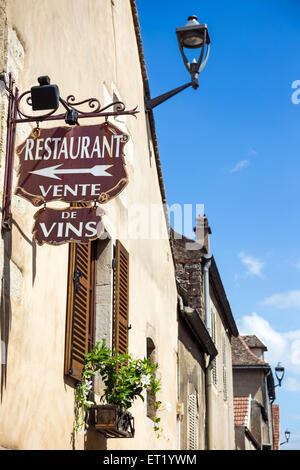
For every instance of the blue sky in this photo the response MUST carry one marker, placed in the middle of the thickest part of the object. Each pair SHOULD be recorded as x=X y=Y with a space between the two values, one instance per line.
x=234 y=146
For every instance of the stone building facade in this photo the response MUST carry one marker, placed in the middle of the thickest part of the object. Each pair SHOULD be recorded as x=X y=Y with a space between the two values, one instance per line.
x=89 y=48
x=206 y=328
x=254 y=394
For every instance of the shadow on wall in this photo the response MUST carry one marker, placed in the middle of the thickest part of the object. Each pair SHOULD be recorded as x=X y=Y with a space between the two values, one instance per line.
x=5 y=306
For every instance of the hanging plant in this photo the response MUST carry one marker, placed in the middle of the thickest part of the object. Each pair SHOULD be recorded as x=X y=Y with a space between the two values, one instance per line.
x=124 y=377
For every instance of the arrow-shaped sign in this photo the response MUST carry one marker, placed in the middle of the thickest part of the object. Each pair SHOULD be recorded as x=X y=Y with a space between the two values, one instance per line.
x=53 y=171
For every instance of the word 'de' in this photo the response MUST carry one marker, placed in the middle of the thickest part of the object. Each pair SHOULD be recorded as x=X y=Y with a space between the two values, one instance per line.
x=57 y=226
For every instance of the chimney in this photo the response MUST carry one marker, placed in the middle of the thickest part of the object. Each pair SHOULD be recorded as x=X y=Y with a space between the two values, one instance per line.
x=203 y=231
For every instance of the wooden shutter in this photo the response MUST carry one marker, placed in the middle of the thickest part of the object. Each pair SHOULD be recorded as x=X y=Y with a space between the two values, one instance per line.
x=78 y=308
x=121 y=299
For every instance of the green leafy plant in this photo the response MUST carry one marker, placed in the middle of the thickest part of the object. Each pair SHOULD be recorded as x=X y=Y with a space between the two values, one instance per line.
x=124 y=378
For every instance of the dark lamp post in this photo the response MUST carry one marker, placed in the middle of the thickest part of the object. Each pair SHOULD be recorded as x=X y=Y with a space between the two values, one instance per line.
x=279 y=372
x=194 y=36
x=191 y=36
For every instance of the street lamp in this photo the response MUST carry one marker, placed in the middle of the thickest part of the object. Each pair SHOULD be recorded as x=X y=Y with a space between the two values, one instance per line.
x=279 y=372
x=287 y=437
x=194 y=36
x=191 y=36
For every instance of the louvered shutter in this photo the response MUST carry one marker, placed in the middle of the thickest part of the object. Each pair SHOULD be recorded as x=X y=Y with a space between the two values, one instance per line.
x=214 y=338
x=224 y=366
x=192 y=422
x=78 y=309
x=121 y=298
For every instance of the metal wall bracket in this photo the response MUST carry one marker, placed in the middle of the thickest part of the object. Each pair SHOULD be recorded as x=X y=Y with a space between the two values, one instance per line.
x=72 y=114
x=152 y=103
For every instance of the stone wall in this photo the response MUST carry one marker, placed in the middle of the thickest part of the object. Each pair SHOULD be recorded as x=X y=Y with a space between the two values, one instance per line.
x=188 y=272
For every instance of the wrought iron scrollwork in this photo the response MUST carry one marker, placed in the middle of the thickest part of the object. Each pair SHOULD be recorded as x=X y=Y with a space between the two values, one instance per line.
x=95 y=110
x=25 y=117
x=92 y=102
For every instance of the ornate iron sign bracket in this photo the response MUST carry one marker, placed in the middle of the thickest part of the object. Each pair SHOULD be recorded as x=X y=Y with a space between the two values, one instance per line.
x=72 y=115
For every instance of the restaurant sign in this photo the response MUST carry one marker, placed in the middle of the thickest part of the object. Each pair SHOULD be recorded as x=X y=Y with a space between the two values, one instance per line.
x=57 y=226
x=72 y=164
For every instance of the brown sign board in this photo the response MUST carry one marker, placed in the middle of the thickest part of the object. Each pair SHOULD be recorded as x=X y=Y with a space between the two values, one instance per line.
x=58 y=226
x=72 y=164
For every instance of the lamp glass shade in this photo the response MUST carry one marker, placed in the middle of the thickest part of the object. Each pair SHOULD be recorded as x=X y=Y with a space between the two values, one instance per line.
x=287 y=434
x=192 y=41
x=191 y=35
x=279 y=369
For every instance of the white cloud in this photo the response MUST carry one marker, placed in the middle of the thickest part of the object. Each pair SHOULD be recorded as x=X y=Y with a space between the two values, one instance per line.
x=252 y=152
x=292 y=384
x=295 y=352
x=285 y=300
x=297 y=265
x=276 y=344
x=240 y=166
x=254 y=265
x=282 y=347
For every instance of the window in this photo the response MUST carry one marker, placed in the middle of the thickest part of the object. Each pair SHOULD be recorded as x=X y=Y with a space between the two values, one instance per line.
x=121 y=299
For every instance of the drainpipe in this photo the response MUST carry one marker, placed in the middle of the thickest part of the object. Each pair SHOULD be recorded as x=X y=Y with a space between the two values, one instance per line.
x=208 y=372
x=207 y=264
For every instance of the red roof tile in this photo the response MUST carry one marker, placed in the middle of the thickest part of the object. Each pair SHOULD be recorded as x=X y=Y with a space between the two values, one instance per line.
x=240 y=410
x=276 y=426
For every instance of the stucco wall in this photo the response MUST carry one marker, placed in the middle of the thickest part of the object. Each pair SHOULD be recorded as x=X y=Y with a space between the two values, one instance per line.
x=246 y=382
x=88 y=48
x=222 y=408
x=191 y=381
x=252 y=382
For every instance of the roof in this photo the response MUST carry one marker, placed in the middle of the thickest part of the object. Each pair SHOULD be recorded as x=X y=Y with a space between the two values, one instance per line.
x=241 y=406
x=196 y=326
x=243 y=356
x=193 y=257
x=253 y=341
x=242 y=417
x=276 y=426
x=137 y=29
x=215 y=278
